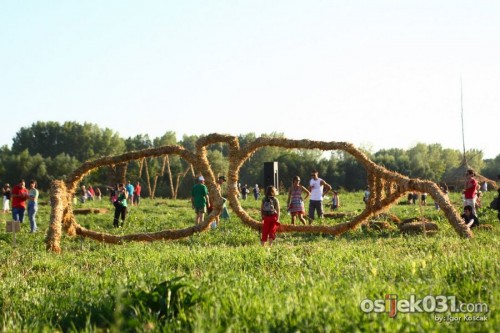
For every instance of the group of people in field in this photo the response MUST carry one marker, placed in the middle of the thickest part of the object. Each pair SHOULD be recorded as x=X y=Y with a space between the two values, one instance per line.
x=124 y=195
x=270 y=206
x=23 y=200
x=471 y=199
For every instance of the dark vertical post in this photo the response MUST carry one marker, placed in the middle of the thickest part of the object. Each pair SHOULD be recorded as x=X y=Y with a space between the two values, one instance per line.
x=271 y=176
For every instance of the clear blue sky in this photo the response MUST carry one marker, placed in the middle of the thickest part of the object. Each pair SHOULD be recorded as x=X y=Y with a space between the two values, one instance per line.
x=379 y=74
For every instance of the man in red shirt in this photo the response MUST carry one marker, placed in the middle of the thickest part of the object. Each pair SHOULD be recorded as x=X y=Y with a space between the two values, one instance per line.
x=470 y=192
x=137 y=194
x=19 y=197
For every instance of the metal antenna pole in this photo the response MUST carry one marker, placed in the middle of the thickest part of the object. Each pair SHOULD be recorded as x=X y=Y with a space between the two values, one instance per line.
x=462 y=114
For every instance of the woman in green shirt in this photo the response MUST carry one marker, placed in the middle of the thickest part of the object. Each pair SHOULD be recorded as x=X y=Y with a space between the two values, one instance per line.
x=120 y=205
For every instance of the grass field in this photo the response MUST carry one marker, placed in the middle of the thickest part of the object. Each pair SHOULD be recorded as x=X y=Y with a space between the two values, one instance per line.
x=222 y=280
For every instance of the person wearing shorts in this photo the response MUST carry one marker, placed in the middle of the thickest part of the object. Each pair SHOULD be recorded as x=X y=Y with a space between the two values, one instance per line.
x=318 y=188
x=470 y=192
x=137 y=194
x=199 y=199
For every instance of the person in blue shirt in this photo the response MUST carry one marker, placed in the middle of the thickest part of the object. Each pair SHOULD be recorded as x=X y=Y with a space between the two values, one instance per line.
x=130 y=191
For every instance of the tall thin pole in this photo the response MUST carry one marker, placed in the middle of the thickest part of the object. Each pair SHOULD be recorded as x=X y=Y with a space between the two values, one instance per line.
x=462 y=114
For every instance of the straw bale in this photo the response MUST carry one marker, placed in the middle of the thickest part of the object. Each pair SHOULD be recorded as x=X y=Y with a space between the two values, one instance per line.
x=388 y=217
x=377 y=225
x=418 y=227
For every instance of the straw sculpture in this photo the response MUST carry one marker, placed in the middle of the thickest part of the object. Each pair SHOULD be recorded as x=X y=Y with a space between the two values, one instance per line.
x=385 y=186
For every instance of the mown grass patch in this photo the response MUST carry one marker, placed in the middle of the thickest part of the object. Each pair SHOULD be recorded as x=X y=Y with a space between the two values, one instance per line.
x=225 y=281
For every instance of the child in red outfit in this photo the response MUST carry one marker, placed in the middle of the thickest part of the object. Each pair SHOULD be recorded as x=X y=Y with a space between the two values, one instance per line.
x=270 y=211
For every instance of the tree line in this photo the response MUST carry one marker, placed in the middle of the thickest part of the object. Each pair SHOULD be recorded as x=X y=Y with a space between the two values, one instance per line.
x=51 y=150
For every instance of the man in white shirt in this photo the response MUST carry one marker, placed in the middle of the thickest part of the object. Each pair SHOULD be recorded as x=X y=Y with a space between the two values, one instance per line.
x=318 y=188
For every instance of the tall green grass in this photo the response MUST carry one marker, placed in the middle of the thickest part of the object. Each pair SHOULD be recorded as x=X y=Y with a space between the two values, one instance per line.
x=223 y=280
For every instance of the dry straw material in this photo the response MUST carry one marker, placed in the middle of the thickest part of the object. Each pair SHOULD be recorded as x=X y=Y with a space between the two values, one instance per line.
x=385 y=186
x=418 y=227
x=87 y=211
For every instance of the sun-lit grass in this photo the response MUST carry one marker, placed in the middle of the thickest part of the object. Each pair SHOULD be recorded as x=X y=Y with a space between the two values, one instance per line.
x=223 y=280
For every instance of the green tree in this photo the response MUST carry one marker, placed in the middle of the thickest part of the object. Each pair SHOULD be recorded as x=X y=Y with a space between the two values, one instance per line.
x=138 y=142
x=218 y=162
x=61 y=166
x=475 y=159
x=394 y=159
x=26 y=166
x=84 y=142
x=492 y=168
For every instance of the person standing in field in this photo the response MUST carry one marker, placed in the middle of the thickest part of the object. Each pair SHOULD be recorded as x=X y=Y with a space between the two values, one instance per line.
x=470 y=191
x=244 y=192
x=6 y=198
x=120 y=205
x=33 y=205
x=256 y=192
x=130 y=192
x=137 y=194
x=484 y=187
x=19 y=197
x=221 y=180
x=366 y=195
x=91 y=193
x=200 y=200
x=295 y=201
x=318 y=188
x=98 y=193
x=270 y=213
x=335 y=200
x=83 y=194
x=423 y=199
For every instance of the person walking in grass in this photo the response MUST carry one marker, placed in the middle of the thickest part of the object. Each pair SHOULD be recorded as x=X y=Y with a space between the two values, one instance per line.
x=200 y=200
x=120 y=205
x=295 y=201
x=270 y=212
